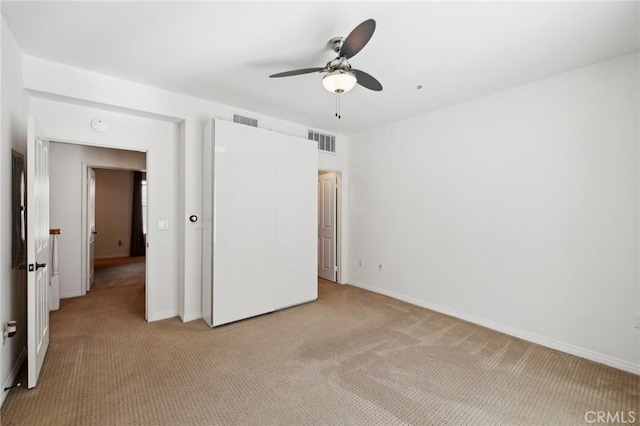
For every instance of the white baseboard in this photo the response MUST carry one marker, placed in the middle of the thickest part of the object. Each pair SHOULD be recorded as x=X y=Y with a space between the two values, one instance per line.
x=163 y=315
x=112 y=256
x=515 y=332
x=70 y=294
x=191 y=316
x=13 y=375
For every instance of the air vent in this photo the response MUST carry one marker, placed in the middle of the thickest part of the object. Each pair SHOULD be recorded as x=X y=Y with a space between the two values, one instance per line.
x=245 y=120
x=326 y=143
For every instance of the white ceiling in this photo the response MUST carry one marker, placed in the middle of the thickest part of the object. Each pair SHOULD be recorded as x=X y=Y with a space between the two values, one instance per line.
x=226 y=51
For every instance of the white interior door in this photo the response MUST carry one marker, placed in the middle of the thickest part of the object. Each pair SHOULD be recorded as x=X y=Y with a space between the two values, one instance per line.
x=327 y=266
x=91 y=224
x=37 y=250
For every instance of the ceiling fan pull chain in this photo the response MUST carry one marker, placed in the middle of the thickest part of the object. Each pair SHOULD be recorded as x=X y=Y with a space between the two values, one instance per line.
x=339 y=108
x=336 y=104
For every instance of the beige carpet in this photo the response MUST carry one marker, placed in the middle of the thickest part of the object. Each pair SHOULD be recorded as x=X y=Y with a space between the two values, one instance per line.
x=118 y=272
x=352 y=357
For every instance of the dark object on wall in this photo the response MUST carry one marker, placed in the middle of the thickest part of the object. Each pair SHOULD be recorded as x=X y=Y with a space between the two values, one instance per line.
x=18 y=209
x=137 y=247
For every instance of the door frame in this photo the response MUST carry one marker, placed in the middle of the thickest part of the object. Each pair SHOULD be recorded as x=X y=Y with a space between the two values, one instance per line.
x=85 y=220
x=87 y=276
x=148 y=287
x=338 y=242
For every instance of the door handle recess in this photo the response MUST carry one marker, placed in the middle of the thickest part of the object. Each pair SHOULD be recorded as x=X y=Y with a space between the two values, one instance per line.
x=40 y=265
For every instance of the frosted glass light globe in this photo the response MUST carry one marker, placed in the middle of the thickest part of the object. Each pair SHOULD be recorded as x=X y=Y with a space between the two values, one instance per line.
x=339 y=81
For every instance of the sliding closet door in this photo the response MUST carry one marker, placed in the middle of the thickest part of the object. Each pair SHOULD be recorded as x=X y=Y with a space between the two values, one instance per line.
x=244 y=223
x=259 y=217
x=296 y=270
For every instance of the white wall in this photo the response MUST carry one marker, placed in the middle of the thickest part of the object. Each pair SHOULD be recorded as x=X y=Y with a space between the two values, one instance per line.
x=114 y=204
x=518 y=211
x=65 y=122
x=67 y=165
x=71 y=85
x=12 y=136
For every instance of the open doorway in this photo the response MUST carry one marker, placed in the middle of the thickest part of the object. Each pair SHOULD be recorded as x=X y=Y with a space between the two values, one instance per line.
x=91 y=203
x=116 y=233
x=329 y=225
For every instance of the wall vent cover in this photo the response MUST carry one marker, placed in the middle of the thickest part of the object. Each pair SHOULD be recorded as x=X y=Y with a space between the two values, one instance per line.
x=326 y=143
x=245 y=120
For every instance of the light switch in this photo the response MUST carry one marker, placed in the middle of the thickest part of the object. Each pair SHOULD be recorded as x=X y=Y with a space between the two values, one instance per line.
x=163 y=225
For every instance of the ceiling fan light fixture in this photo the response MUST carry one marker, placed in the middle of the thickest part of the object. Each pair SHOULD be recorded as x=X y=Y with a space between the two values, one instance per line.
x=339 y=81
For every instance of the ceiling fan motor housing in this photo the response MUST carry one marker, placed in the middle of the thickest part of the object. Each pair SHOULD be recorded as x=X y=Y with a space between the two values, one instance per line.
x=336 y=44
x=338 y=64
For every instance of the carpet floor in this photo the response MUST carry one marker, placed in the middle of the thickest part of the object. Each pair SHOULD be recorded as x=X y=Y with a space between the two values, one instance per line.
x=352 y=357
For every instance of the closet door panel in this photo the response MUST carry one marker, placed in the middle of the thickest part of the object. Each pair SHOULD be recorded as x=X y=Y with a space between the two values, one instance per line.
x=245 y=223
x=296 y=248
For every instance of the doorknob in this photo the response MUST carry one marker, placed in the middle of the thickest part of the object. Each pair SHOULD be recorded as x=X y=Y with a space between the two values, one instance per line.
x=40 y=265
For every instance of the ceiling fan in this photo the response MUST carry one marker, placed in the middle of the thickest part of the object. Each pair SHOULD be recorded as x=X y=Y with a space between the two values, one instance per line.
x=340 y=77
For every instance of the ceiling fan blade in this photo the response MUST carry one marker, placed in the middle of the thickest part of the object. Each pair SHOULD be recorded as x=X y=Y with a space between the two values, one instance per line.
x=358 y=38
x=366 y=80
x=296 y=72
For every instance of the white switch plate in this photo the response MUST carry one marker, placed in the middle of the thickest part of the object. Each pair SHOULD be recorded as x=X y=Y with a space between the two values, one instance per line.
x=163 y=225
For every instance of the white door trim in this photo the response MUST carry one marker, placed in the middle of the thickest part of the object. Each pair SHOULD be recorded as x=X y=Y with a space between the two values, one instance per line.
x=88 y=276
x=339 y=273
x=84 y=261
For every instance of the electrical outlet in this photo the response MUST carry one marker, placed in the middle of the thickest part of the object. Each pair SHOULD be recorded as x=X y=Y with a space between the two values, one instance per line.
x=379 y=266
x=636 y=320
x=360 y=262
